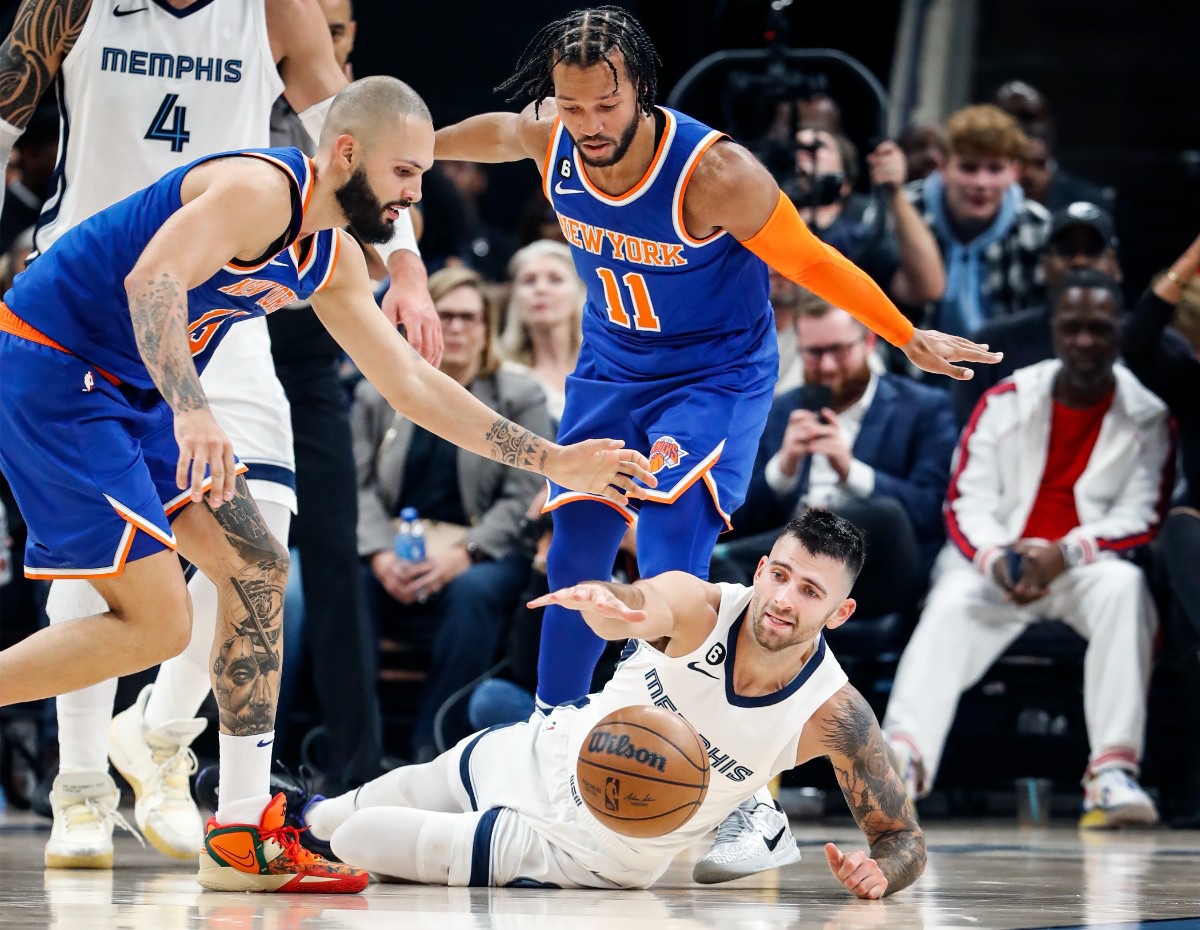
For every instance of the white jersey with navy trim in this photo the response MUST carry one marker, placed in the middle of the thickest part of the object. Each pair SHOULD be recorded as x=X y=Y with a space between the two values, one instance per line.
x=145 y=89
x=530 y=767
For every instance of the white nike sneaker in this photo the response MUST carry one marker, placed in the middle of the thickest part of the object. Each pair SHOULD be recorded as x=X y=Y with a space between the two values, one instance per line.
x=754 y=838
x=907 y=766
x=157 y=764
x=85 y=810
x=1113 y=798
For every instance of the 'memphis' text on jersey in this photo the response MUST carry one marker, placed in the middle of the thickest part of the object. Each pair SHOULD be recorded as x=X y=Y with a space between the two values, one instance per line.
x=718 y=761
x=165 y=65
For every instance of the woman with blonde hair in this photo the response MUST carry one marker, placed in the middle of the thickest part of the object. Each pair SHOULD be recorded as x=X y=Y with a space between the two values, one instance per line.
x=543 y=328
x=457 y=601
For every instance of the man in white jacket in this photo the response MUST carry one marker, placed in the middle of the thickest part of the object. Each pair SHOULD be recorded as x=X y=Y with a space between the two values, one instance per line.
x=1063 y=468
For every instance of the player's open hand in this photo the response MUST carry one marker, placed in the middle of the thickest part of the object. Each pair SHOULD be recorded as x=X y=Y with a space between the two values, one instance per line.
x=412 y=306
x=857 y=872
x=932 y=351
x=593 y=599
x=601 y=466
x=203 y=446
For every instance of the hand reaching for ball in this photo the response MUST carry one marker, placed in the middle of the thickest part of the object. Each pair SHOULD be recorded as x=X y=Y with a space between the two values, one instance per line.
x=593 y=599
x=857 y=872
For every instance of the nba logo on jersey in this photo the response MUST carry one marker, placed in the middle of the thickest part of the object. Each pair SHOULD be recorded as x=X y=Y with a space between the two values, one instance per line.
x=665 y=453
x=89 y=382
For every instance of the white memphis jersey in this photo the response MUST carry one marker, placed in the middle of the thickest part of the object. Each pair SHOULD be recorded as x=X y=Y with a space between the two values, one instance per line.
x=148 y=88
x=750 y=740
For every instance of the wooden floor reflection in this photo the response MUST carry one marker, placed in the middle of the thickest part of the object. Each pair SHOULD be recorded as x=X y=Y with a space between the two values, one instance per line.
x=982 y=875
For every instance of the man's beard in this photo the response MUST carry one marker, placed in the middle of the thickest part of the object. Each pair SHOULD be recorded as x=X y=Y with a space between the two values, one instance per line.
x=364 y=211
x=851 y=388
x=622 y=145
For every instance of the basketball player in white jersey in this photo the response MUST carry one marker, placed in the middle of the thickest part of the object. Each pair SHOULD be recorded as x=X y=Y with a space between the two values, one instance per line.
x=748 y=667
x=145 y=86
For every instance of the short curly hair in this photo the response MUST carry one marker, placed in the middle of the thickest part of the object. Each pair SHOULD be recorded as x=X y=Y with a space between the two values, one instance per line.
x=984 y=131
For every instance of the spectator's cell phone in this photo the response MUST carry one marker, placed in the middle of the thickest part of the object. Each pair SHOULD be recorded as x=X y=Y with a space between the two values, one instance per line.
x=815 y=397
x=1016 y=565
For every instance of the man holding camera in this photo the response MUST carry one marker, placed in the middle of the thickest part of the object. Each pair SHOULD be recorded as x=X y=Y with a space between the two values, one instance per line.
x=875 y=448
x=1063 y=470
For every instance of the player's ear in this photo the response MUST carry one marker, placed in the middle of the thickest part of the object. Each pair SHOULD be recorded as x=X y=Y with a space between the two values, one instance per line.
x=347 y=153
x=842 y=614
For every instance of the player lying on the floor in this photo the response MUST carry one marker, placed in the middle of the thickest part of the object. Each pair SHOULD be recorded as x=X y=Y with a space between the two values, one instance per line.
x=748 y=667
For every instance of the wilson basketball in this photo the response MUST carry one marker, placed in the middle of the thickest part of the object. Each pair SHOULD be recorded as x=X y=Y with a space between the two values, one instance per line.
x=642 y=771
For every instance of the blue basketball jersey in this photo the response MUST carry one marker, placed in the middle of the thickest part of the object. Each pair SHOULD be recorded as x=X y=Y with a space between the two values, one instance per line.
x=75 y=292
x=659 y=302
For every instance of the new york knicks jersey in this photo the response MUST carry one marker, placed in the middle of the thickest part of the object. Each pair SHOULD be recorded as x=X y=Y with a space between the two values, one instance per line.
x=659 y=302
x=139 y=71
x=75 y=293
x=750 y=740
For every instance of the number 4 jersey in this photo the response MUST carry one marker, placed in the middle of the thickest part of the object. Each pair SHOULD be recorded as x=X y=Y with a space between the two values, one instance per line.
x=137 y=72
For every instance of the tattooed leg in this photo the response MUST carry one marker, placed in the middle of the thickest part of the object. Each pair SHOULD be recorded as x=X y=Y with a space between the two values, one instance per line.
x=247 y=657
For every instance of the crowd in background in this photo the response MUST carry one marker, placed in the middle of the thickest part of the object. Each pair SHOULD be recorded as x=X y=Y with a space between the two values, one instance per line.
x=980 y=518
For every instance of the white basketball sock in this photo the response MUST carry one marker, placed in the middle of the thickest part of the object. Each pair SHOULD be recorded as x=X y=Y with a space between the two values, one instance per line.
x=83 y=715
x=245 y=777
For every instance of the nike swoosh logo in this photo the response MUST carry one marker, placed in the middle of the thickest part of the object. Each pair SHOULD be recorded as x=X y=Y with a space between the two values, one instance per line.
x=696 y=668
x=559 y=189
x=246 y=861
x=774 y=841
x=117 y=11
x=265 y=742
x=279 y=263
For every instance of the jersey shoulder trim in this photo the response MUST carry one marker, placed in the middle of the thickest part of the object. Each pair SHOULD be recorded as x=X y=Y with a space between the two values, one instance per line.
x=685 y=176
x=652 y=171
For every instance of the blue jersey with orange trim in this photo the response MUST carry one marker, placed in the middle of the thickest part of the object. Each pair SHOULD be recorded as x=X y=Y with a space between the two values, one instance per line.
x=75 y=292
x=659 y=302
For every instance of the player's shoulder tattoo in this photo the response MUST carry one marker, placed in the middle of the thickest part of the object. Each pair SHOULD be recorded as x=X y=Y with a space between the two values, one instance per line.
x=43 y=33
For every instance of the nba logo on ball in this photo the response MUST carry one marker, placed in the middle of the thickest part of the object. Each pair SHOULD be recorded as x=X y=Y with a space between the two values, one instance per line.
x=642 y=771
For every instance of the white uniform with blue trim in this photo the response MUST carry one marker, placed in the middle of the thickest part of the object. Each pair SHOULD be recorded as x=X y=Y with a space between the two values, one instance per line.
x=543 y=831
x=146 y=89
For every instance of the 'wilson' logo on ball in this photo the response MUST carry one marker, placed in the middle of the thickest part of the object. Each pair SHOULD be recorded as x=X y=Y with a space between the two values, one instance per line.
x=603 y=741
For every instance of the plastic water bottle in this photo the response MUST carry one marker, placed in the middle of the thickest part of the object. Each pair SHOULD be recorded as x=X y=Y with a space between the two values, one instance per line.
x=410 y=537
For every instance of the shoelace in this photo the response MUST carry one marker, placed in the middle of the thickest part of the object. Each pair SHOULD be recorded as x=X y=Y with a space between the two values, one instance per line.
x=288 y=839
x=733 y=826
x=90 y=810
x=175 y=768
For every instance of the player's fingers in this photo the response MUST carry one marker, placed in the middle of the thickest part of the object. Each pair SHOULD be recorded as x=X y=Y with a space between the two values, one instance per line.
x=833 y=856
x=866 y=872
x=199 y=473
x=632 y=463
x=182 y=468
x=850 y=864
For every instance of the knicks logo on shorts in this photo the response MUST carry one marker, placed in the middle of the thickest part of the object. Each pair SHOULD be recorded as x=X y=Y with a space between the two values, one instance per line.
x=665 y=453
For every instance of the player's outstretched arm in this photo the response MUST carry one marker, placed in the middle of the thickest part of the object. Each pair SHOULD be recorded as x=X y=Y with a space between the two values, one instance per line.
x=498 y=137
x=845 y=729
x=673 y=604
x=441 y=405
x=732 y=190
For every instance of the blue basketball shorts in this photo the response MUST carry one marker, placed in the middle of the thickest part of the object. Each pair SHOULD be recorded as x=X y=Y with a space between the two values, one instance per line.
x=91 y=463
x=697 y=427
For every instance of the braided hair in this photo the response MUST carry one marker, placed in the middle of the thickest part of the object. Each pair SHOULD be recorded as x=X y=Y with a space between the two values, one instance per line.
x=584 y=38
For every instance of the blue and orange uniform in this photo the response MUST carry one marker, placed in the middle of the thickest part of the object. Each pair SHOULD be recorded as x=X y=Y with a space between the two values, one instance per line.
x=86 y=440
x=679 y=359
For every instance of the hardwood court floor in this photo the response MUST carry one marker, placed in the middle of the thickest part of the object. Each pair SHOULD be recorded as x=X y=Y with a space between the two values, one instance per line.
x=981 y=875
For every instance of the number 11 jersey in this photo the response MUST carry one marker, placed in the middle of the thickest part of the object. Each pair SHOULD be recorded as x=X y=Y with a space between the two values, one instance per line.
x=138 y=72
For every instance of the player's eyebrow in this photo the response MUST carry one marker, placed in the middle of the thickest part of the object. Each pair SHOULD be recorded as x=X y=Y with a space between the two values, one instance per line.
x=611 y=93
x=791 y=570
x=412 y=163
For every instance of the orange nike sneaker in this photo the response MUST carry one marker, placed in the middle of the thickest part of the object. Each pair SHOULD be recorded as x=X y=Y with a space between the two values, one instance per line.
x=269 y=857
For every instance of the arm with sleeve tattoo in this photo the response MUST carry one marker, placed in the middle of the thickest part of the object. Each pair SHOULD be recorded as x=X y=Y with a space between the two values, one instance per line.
x=43 y=33
x=876 y=797
x=158 y=307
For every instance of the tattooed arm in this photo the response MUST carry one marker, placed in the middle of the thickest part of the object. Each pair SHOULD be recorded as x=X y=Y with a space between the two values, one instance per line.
x=845 y=729
x=441 y=405
x=232 y=207
x=42 y=34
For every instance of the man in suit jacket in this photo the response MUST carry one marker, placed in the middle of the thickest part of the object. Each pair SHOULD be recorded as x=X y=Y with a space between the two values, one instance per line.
x=877 y=452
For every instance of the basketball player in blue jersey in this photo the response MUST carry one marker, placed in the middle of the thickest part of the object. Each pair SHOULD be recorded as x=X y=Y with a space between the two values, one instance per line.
x=672 y=226
x=748 y=667
x=116 y=460
x=145 y=88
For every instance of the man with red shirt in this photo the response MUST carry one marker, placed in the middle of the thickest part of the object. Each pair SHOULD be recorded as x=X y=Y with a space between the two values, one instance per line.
x=1063 y=468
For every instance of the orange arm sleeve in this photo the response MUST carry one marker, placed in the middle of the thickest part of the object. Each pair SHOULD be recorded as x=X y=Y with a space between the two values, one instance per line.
x=788 y=246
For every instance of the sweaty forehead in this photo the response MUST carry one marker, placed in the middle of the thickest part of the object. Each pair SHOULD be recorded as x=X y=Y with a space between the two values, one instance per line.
x=1086 y=301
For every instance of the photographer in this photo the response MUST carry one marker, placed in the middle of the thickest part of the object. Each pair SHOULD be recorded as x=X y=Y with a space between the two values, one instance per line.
x=901 y=255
